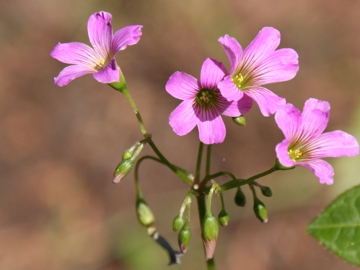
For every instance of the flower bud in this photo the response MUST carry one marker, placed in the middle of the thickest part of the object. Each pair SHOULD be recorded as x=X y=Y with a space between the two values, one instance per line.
x=178 y=223
x=144 y=213
x=184 y=238
x=210 y=232
x=266 y=191
x=240 y=199
x=260 y=210
x=128 y=160
x=240 y=120
x=223 y=218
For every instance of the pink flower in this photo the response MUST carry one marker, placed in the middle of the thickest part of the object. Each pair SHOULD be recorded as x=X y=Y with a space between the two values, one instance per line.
x=257 y=65
x=99 y=60
x=202 y=103
x=305 y=143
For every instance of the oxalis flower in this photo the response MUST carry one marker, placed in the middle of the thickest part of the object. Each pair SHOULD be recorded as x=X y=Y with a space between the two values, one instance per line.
x=257 y=65
x=305 y=144
x=99 y=60
x=202 y=103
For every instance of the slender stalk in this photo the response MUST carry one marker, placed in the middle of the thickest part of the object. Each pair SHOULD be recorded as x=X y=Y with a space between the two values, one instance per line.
x=122 y=88
x=198 y=164
x=208 y=160
x=237 y=183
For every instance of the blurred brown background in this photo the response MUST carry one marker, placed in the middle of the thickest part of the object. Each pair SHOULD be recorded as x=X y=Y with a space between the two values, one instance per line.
x=59 y=146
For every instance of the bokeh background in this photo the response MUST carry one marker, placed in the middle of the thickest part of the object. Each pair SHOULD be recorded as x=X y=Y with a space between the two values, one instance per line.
x=59 y=146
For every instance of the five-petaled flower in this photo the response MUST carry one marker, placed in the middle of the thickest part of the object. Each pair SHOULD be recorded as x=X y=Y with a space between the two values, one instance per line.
x=305 y=144
x=203 y=103
x=260 y=63
x=99 y=60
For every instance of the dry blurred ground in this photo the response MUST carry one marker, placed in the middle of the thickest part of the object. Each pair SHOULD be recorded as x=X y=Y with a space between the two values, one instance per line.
x=59 y=146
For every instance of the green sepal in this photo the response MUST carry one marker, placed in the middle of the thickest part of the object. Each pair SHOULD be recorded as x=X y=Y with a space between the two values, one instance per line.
x=144 y=213
x=223 y=218
x=240 y=199
x=184 y=238
x=178 y=223
x=260 y=210
x=266 y=191
x=239 y=120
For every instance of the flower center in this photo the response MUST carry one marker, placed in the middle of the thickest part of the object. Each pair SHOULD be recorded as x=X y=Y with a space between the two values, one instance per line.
x=295 y=155
x=100 y=65
x=239 y=80
x=206 y=98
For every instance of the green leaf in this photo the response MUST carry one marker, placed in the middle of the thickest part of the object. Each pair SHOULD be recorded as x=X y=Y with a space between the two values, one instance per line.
x=338 y=226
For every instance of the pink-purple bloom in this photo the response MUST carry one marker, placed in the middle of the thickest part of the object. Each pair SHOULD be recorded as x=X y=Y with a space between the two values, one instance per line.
x=305 y=144
x=99 y=60
x=203 y=103
x=260 y=63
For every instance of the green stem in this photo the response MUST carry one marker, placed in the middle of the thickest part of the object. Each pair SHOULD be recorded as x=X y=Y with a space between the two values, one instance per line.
x=122 y=88
x=208 y=160
x=237 y=183
x=198 y=164
x=186 y=177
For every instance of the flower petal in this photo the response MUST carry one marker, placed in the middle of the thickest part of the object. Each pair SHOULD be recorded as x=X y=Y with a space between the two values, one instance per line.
x=236 y=108
x=281 y=65
x=268 y=102
x=322 y=170
x=212 y=72
x=126 y=36
x=182 y=86
x=282 y=154
x=100 y=33
x=229 y=90
x=70 y=73
x=233 y=50
x=212 y=131
x=266 y=41
x=315 y=117
x=183 y=119
x=335 y=144
x=75 y=53
x=109 y=74
x=288 y=118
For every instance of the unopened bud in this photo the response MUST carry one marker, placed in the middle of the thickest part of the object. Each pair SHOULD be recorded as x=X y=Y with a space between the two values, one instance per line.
x=128 y=159
x=184 y=238
x=210 y=232
x=144 y=213
x=240 y=120
x=240 y=199
x=178 y=223
x=223 y=218
x=260 y=210
x=266 y=191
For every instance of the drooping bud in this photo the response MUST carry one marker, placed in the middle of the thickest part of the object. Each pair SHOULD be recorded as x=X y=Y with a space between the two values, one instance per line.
x=210 y=232
x=128 y=158
x=260 y=210
x=240 y=199
x=223 y=218
x=266 y=191
x=144 y=213
x=184 y=238
x=240 y=120
x=178 y=223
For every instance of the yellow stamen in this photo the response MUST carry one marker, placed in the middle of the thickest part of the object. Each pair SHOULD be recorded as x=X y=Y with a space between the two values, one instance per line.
x=238 y=79
x=295 y=154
